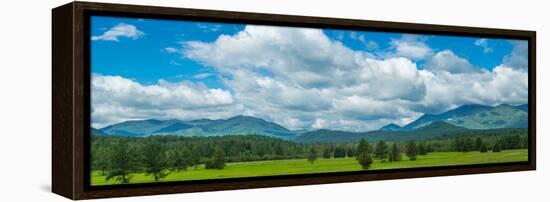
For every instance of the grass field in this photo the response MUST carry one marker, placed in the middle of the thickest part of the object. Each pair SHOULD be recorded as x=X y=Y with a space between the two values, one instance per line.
x=301 y=166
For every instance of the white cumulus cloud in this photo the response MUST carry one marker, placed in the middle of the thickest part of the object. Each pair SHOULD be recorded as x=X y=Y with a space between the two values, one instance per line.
x=115 y=98
x=447 y=61
x=120 y=30
x=411 y=46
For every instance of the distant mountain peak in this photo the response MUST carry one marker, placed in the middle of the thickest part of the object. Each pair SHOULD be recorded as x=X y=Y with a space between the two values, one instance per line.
x=203 y=119
x=243 y=117
x=154 y=121
x=504 y=105
x=391 y=127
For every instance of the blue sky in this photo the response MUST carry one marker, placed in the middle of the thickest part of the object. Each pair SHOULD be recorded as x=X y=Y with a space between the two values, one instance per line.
x=229 y=63
x=146 y=60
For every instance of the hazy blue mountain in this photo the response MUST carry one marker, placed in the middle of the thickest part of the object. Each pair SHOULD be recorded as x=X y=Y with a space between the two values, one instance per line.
x=390 y=127
x=201 y=122
x=95 y=131
x=502 y=116
x=238 y=125
x=477 y=117
x=178 y=126
x=138 y=127
x=439 y=128
x=457 y=112
x=435 y=129
x=523 y=107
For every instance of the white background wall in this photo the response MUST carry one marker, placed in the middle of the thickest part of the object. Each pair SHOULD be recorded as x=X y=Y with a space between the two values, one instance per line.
x=25 y=100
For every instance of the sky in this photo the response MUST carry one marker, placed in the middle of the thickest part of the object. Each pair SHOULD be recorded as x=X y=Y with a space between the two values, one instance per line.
x=300 y=78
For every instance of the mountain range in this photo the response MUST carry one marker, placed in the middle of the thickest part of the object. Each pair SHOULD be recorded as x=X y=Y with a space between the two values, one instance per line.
x=472 y=117
x=238 y=125
x=458 y=120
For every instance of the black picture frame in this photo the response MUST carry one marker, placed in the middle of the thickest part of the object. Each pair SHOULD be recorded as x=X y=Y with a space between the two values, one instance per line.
x=71 y=99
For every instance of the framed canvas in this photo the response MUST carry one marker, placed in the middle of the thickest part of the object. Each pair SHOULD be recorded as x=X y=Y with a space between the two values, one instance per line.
x=156 y=100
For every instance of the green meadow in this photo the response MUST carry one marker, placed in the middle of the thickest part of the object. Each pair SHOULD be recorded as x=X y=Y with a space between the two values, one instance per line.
x=321 y=165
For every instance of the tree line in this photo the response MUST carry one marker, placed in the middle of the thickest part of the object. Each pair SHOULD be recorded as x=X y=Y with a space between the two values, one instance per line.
x=157 y=156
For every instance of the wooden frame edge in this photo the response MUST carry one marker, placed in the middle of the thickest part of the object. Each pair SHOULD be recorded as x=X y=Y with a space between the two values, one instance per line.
x=62 y=101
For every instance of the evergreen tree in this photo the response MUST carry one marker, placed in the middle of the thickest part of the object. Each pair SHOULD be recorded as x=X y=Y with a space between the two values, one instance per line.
x=365 y=159
x=312 y=155
x=364 y=156
x=469 y=145
x=219 y=158
x=279 y=151
x=100 y=158
x=179 y=159
x=362 y=147
x=154 y=159
x=326 y=153
x=381 y=151
x=496 y=147
x=217 y=161
x=478 y=144
x=123 y=161
x=395 y=154
x=510 y=142
x=195 y=158
x=350 y=152
x=429 y=148
x=483 y=148
x=458 y=144
x=340 y=152
x=412 y=150
x=422 y=149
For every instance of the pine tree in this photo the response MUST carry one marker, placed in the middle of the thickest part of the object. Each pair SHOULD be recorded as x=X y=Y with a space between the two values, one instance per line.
x=422 y=149
x=326 y=153
x=179 y=159
x=217 y=161
x=339 y=152
x=100 y=158
x=154 y=159
x=350 y=152
x=195 y=158
x=395 y=154
x=478 y=144
x=312 y=155
x=364 y=156
x=458 y=144
x=412 y=150
x=469 y=145
x=496 y=147
x=429 y=148
x=279 y=151
x=362 y=147
x=365 y=159
x=123 y=161
x=483 y=148
x=381 y=151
